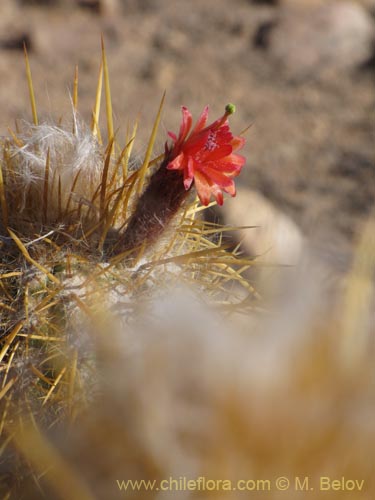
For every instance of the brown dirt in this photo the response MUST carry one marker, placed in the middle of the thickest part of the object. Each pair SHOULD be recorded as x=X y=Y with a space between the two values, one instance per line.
x=310 y=149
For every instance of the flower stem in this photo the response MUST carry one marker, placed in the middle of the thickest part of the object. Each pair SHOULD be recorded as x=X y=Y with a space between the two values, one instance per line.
x=156 y=207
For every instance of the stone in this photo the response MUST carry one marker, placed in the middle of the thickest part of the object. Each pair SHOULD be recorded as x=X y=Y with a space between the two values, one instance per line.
x=306 y=42
x=276 y=239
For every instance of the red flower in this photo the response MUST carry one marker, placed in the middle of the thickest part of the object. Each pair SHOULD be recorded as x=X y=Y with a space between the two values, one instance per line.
x=206 y=155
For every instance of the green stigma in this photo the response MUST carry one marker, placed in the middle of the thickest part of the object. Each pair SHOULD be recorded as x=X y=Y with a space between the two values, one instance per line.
x=230 y=109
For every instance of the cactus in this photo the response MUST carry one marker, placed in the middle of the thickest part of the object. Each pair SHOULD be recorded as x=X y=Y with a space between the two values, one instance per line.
x=126 y=362
x=85 y=236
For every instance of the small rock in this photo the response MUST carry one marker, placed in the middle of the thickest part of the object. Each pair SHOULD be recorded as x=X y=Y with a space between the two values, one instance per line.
x=102 y=7
x=43 y=3
x=263 y=34
x=265 y=2
x=91 y=5
x=307 y=41
x=17 y=42
x=276 y=240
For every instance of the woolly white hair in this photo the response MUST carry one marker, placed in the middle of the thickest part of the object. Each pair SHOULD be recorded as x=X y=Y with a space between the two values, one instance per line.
x=75 y=162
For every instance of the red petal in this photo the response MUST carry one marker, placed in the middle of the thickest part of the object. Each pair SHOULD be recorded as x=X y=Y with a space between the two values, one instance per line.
x=217 y=154
x=186 y=123
x=172 y=136
x=238 y=142
x=224 y=135
x=189 y=173
x=218 y=195
x=231 y=189
x=217 y=178
x=220 y=122
x=230 y=164
x=187 y=182
x=195 y=143
x=203 y=187
x=201 y=121
x=190 y=167
x=177 y=163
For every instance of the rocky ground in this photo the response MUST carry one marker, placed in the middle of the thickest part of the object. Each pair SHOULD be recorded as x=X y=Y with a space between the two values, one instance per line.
x=301 y=72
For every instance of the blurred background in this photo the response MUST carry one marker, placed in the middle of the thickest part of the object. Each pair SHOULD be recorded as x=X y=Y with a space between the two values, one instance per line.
x=300 y=72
